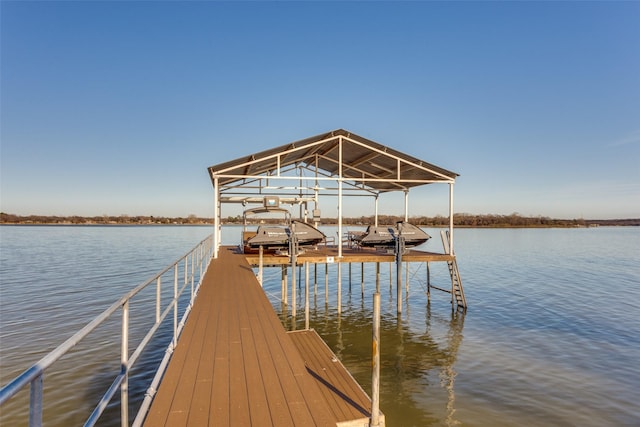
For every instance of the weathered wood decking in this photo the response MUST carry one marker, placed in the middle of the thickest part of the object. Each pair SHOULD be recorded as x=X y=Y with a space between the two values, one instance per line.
x=235 y=365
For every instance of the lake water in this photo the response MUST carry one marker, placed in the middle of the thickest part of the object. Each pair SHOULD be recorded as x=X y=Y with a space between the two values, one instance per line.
x=551 y=335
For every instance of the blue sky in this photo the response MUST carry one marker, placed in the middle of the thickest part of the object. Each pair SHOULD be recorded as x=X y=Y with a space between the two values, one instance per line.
x=119 y=107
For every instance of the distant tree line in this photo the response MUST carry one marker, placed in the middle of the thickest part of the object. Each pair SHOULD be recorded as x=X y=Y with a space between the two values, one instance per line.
x=6 y=218
x=470 y=220
x=459 y=220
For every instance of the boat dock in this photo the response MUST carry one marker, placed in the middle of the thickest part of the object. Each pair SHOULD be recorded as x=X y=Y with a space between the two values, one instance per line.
x=232 y=363
x=235 y=365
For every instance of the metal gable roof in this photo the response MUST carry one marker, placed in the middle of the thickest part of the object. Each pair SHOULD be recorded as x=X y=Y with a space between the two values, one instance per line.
x=361 y=162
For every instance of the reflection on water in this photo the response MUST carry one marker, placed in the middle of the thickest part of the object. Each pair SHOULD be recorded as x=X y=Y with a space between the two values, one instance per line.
x=415 y=356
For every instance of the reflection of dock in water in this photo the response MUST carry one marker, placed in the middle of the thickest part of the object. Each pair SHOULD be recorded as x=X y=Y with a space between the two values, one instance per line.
x=447 y=372
x=410 y=358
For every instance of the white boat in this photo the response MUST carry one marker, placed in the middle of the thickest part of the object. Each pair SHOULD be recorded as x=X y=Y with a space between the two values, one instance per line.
x=385 y=236
x=276 y=237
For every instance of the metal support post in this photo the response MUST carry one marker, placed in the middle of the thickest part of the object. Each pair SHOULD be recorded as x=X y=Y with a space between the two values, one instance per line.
x=399 y=251
x=216 y=217
x=362 y=279
x=294 y=262
x=124 y=363
x=375 y=374
x=36 y=396
x=306 y=296
x=175 y=306
x=284 y=297
x=406 y=281
x=193 y=276
x=260 y=265
x=406 y=205
x=428 y=282
x=451 y=218
x=339 y=287
x=326 y=284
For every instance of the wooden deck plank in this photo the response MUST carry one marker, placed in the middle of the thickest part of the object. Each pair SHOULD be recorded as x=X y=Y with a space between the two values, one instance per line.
x=199 y=413
x=238 y=350
x=323 y=369
x=259 y=410
x=173 y=380
x=319 y=408
x=256 y=394
x=185 y=395
x=235 y=365
x=281 y=353
x=349 y=400
x=219 y=409
x=326 y=384
x=289 y=369
x=347 y=389
x=277 y=402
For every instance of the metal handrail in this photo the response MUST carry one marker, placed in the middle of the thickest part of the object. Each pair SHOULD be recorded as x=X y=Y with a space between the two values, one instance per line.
x=200 y=255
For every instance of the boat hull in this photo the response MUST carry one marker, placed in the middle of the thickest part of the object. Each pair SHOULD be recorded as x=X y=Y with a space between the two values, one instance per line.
x=386 y=236
x=273 y=238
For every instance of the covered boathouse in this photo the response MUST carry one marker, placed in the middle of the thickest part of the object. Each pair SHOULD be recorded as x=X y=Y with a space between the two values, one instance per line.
x=335 y=164
x=234 y=364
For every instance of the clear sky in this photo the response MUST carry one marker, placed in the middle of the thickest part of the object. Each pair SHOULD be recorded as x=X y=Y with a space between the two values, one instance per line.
x=119 y=107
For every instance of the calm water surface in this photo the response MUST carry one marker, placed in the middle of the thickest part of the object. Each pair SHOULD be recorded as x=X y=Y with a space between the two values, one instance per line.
x=550 y=336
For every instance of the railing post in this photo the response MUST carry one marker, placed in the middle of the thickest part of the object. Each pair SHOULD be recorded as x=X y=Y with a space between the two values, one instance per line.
x=175 y=306
x=186 y=269
x=158 y=298
x=35 y=407
x=201 y=260
x=193 y=273
x=124 y=363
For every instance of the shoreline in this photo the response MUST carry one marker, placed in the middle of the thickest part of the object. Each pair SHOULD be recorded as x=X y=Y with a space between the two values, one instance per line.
x=460 y=220
x=594 y=224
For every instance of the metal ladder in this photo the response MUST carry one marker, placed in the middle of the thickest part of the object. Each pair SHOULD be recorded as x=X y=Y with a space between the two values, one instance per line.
x=457 y=291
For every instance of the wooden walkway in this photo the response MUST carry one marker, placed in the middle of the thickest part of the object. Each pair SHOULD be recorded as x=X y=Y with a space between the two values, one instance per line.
x=235 y=365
